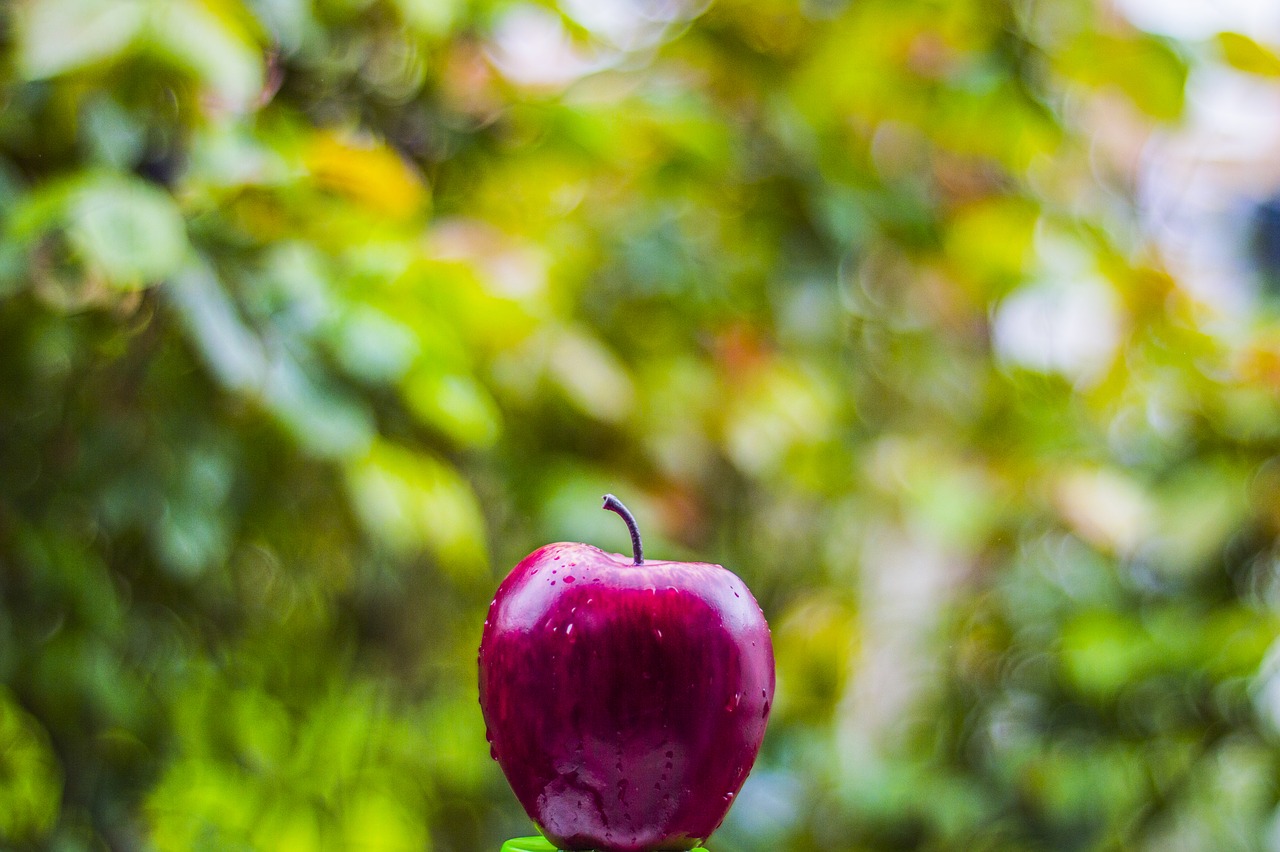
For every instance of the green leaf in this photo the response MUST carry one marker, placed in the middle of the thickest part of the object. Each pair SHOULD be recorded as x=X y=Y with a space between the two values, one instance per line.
x=412 y=500
x=56 y=36
x=373 y=346
x=203 y=38
x=123 y=229
x=376 y=821
x=110 y=132
x=192 y=35
x=30 y=779
x=128 y=230
x=432 y=18
x=1102 y=652
x=189 y=540
x=321 y=416
x=455 y=404
x=325 y=419
x=590 y=375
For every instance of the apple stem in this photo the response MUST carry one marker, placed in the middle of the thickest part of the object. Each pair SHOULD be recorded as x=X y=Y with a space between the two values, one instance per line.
x=613 y=504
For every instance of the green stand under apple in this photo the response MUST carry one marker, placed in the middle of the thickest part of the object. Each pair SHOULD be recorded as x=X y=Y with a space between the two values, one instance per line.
x=539 y=844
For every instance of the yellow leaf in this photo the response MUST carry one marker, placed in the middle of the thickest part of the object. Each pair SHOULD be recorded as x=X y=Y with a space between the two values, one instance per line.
x=1144 y=69
x=989 y=242
x=1245 y=54
x=369 y=174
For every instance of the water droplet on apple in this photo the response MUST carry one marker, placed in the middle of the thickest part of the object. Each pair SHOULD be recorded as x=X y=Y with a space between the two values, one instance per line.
x=728 y=797
x=568 y=630
x=553 y=582
x=493 y=751
x=569 y=579
x=736 y=595
x=657 y=634
x=764 y=714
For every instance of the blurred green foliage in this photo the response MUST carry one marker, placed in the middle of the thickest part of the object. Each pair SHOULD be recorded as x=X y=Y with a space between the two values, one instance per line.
x=317 y=315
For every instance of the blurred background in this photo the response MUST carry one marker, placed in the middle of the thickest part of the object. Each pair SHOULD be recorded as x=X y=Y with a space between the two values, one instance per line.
x=952 y=326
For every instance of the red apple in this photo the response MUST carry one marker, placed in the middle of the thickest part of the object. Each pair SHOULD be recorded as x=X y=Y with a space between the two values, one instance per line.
x=625 y=699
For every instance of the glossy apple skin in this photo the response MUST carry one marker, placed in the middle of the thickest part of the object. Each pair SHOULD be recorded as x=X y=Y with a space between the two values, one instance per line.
x=625 y=703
